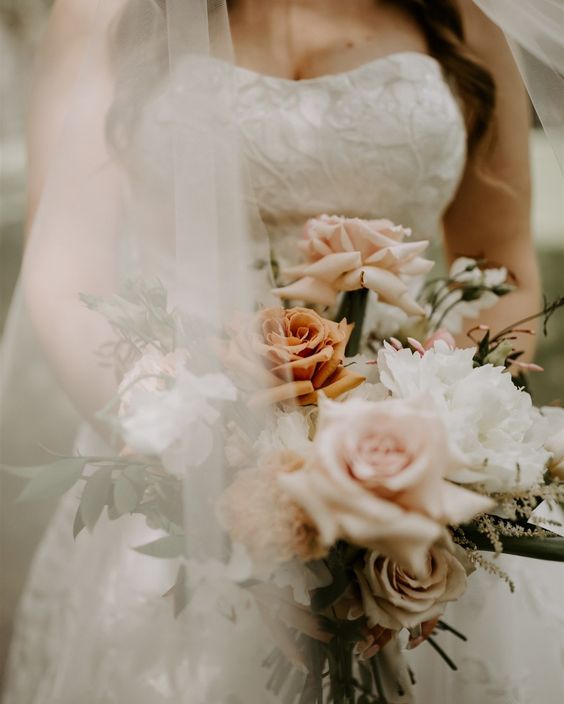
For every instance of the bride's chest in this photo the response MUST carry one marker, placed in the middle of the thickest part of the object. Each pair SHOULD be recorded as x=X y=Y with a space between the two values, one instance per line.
x=384 y=140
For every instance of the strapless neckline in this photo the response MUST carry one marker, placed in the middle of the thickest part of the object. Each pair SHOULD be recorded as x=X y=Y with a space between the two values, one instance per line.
x=348 y=74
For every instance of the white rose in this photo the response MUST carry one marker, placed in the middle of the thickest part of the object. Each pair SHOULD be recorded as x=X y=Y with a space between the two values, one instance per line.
x=159 y=422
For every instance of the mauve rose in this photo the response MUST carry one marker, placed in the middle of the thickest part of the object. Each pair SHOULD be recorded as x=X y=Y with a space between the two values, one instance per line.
x=395 y=598
x=376 y=479
x=281 y=355
x=347 y=254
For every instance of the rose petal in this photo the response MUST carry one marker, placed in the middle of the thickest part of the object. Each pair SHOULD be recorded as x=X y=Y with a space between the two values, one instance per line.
x=284 y=392
x=333 y=266
x=309 y=290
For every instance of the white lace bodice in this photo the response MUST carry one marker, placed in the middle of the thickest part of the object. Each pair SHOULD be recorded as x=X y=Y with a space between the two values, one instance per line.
x=386 y=139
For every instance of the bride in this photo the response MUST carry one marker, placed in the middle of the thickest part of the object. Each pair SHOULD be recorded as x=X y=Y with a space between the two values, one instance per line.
x=412 y=110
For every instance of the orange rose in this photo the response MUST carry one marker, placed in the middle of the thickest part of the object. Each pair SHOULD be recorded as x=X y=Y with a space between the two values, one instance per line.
x=279 y=355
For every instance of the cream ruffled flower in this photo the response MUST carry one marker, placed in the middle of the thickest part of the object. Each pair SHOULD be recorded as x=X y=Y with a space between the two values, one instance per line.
x=157 y=421
x=347 y=254
x=376 y=478
x=260 y=515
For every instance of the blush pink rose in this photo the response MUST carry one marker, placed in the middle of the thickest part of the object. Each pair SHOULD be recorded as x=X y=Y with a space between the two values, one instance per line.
x=376 y=478
x=347 y=254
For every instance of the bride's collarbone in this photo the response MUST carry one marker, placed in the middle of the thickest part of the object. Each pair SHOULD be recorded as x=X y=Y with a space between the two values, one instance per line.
x=331 y=60
x=328 y=48
x=352 y=55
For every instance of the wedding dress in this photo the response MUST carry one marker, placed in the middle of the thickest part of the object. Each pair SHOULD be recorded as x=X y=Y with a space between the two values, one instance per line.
x=386 y=139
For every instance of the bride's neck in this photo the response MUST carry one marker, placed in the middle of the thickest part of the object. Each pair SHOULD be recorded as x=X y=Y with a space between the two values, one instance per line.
x=273 y=9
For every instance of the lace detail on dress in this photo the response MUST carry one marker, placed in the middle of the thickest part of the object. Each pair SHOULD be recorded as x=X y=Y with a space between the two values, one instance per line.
x=384 y=140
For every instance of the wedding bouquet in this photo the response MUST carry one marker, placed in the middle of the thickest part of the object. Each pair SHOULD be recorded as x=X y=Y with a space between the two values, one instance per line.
x=388 y=460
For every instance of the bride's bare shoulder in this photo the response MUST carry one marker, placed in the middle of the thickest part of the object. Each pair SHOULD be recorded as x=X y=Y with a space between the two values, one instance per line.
x=483 y=36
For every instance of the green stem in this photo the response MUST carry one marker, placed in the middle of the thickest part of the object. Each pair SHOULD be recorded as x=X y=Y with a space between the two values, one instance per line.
x=353 y=308
x=538 y=548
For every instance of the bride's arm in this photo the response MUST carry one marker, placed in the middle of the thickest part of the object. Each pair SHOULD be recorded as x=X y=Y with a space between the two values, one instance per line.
x=73 y=188
x=490 y=217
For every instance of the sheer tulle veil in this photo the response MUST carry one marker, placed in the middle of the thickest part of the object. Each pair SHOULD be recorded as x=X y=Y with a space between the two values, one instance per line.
x=535 y=29
x=146 y=187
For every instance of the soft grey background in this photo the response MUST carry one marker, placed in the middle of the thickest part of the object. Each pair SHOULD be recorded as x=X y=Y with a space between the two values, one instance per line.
x=21 y=24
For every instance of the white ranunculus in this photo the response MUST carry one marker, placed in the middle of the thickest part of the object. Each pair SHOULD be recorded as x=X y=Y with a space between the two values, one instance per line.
x=492 y=423
x=406 y=373
x=156 y=420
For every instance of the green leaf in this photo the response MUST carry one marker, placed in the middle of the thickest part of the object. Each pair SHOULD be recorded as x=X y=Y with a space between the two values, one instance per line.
x=54 y=480
x=136 y=474
x=168 y=547
x=95 y=496
x=22 y=472
x=126 y=495
x=180 y=592
x=78 y=525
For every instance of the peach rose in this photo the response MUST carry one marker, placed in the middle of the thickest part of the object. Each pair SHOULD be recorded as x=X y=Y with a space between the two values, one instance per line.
x=376 y=478
x=347 y=254
x=290 y=354
x=394 y=598
x=259 y=514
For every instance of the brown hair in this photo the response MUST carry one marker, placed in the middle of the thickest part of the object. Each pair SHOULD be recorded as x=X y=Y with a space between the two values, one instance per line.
x=440 y=20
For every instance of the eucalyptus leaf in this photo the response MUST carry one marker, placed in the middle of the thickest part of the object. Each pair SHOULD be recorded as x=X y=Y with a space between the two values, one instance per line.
x=168 y=547
x=126 y=495
x=181 y=595
x=136 y=474
x=54 y=480
x=95 y=497
x=78 y=525
x=23 y=472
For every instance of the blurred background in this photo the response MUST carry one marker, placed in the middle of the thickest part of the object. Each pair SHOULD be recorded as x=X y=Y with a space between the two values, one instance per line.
x=21 y=25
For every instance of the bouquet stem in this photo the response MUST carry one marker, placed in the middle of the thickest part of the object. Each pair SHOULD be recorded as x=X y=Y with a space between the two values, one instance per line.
x=538 y=548
x=353 y=308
